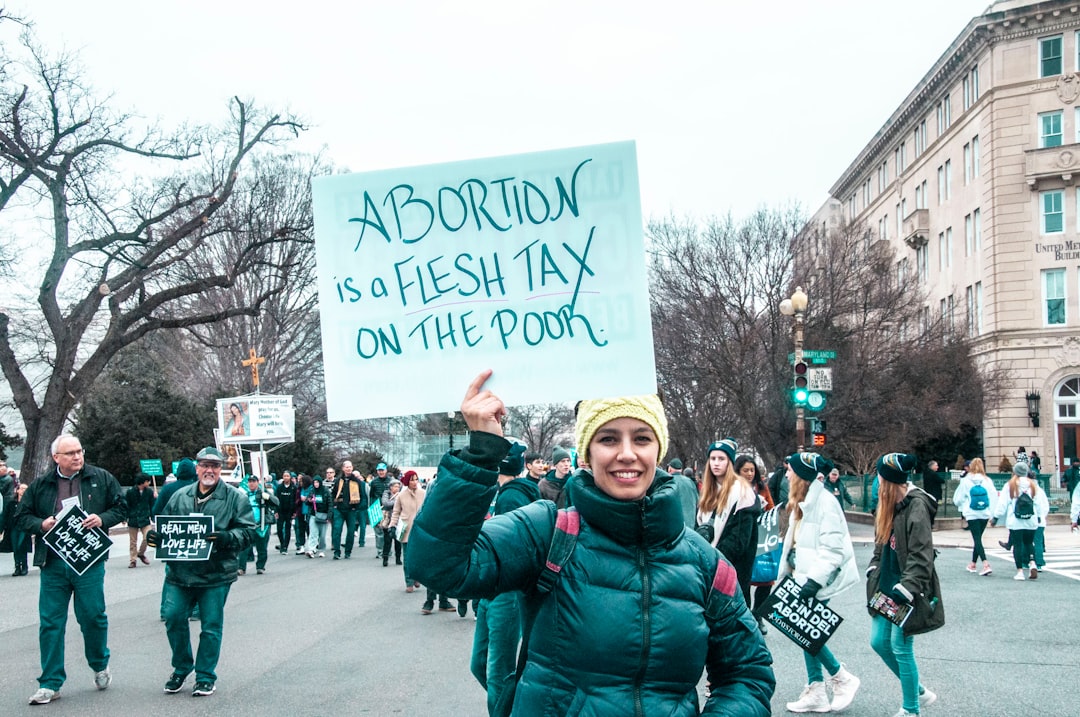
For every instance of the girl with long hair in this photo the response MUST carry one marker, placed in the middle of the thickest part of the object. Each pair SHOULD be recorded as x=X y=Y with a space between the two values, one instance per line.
x=748 y=469
x=903 y=571
x=728 y=510
x=975 y=498
x=819 y=556
x=1021 y=523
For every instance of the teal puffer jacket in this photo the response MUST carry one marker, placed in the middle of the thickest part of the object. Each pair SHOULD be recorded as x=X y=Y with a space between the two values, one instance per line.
x=625 y=631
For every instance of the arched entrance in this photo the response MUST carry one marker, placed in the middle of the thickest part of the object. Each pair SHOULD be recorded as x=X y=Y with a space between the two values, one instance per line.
x=1067 y=420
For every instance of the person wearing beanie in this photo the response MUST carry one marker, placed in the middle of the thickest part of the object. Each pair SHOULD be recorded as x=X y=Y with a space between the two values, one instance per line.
x=728 y=510
x=902 y=570
x=387 y=500
x=823 y=564
x=631 y=549
x=498 y=620
x=553 y=485
x=1020 y=505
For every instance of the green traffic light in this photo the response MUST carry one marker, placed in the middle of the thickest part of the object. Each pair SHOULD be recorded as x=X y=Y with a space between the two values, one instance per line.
x=800 y=395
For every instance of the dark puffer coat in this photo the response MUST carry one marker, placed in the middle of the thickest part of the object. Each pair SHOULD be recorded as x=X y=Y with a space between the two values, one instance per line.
x=625 y=631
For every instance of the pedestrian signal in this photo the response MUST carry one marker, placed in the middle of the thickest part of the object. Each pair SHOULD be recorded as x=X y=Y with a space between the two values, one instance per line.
x=819 y=440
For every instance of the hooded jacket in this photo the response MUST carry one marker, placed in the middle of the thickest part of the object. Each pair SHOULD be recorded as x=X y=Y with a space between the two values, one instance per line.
x=822 y=545
x=625 y=630
x=914 y=546
x=1006 y=506
x=962 y=496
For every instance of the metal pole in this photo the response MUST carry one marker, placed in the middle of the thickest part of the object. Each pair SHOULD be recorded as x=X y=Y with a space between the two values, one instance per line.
x=800 y=412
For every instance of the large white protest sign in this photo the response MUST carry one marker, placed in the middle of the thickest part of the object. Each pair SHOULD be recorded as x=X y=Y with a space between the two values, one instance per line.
x=532 y=265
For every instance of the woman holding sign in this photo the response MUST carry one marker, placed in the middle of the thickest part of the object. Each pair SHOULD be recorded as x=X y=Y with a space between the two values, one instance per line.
x=901 y=583
x=624 y=606
x=819 y=556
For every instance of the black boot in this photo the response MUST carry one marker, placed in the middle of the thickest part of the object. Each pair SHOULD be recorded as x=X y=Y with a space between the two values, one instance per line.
x=385 y=560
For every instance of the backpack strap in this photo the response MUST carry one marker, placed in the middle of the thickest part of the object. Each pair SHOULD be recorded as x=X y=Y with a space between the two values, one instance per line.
x=563 y=542
x=724 y=586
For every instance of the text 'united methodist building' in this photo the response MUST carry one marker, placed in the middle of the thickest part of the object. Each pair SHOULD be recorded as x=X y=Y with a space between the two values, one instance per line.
x=974 y=182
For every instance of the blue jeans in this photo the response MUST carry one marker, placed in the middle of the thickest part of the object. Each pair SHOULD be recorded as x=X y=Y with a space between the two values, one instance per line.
x=495 y=644
x=898 y=653
x=824 y=658
x=58 y=585
x=347 y=518
x=178 y=603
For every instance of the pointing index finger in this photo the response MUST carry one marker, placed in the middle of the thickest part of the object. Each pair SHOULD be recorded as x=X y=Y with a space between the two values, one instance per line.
x=477 y=384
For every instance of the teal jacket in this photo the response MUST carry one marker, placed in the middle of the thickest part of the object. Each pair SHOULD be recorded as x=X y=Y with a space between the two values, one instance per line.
x=625 y=631
x=233 y=515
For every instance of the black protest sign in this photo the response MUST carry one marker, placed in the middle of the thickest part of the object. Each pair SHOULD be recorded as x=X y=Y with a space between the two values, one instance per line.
x=808 y=623
x=77 y=546
x=183 y=537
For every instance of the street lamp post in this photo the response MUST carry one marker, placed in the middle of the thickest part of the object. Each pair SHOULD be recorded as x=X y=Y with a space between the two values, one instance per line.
x=796 y=307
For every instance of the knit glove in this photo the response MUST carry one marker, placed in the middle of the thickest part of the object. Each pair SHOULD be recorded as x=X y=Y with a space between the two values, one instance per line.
x=809 y=589
x=153 y=538
x=223 y=540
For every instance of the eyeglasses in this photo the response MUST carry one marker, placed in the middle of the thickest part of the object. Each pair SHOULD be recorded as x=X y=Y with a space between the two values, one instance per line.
x=209 y=464
x=70 y=454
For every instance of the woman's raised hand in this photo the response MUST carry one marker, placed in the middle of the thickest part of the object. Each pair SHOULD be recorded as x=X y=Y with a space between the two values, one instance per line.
x=482 y=409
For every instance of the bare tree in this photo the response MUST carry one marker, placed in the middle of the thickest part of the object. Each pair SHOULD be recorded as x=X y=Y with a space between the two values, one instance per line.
x=124 y=254
x=542 y=426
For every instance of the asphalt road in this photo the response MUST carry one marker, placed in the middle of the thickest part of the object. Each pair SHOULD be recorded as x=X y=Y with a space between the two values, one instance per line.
x=324 y=637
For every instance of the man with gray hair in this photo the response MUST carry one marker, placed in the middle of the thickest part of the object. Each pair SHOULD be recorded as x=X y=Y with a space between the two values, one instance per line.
x=97 y=493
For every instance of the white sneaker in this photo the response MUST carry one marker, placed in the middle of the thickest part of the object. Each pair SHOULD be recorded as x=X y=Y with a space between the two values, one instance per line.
x=103 y=679
x=926 y=698
x=322 y=554
x=904 y=713
x=812 y=699
x=1019 y=576
x=844 y=685
x=44 y=696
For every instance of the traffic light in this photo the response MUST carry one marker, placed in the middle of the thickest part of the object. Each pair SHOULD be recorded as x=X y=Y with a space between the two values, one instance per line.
x=800 y=391
x=819 y=440
x=817 y=426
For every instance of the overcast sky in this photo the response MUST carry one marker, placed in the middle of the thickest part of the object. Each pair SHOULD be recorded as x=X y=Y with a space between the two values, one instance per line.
x=732 y=105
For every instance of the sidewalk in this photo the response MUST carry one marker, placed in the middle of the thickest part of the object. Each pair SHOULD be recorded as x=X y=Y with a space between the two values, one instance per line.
x=1057 y=536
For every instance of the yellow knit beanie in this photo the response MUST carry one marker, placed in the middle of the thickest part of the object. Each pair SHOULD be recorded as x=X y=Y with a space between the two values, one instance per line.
x=593 y=414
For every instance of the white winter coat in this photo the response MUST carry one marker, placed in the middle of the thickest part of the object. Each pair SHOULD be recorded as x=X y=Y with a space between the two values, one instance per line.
x=1074 y=511
x=822 y=545
x=962 y=496
x=1006 y=506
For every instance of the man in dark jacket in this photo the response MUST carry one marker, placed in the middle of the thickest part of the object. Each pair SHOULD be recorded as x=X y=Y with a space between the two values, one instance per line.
x=185 y=476
x=288 y=495
x=140 y=504
x=932 y=481
x=98 y=494
x=553 y=485
x=378 y=486
x=205 y=582
x=350 y=499
x=498 y=621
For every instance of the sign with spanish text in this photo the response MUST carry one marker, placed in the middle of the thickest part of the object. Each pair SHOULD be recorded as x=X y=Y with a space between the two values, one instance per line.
x=532 y=265
x=808 y=623
x=77 y=546
x=183 y=537
x=256 y=418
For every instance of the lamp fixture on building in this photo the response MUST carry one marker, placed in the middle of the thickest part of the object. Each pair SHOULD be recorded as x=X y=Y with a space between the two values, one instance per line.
x=1033 y=407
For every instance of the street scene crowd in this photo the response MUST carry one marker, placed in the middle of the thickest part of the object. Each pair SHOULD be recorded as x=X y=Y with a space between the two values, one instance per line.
x=525 y=540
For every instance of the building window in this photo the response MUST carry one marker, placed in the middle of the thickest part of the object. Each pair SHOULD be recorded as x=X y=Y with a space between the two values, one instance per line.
x=922 y=263
x=967 y=163
x=948 y=179
x=925 y=197
x=941 y=251
x=851 y=208
x=946 y=102
x=920 y=138
x=899 y=220
x=978 y=309
x=1050 y=129
x=969 y=236
x=918 y=196
x=974 y=84
x=1054 y=296
x=1067 y=401
x=950 y=310
x=948 y=247
x=967 y=92
x=975 y=156
x=1050 y=56
x=1053 y=214
x=969 y=310
x=941 y=185
x=976 y=219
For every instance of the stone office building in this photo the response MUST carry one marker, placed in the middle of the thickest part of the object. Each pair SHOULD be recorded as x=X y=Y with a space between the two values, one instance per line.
x=975 y=182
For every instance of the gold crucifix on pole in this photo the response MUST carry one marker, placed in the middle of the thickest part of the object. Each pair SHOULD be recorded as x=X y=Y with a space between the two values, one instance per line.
x=253 y=361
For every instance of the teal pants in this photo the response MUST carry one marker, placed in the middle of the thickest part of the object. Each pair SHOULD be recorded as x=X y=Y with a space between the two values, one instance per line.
x=898 y=653
x=178 y=604
x=495 y=644
x=59 y=584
